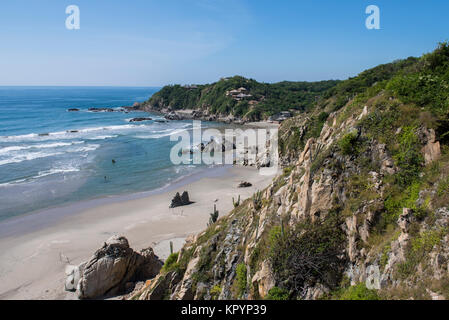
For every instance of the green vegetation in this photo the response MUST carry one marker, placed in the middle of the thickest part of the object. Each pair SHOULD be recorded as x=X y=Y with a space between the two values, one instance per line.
x=241 y=278
x=257 y=200
x=215 y=292
x=419 y=247
x=348 y=143
x=443 y=187
x=213 y=216
x=268 y=99
x=344 y=91
x=308 y=253
x=428 y=85
x=408 y=158
x=294 y=137
x=171 y=262
x=277 y=293
x=357 y=292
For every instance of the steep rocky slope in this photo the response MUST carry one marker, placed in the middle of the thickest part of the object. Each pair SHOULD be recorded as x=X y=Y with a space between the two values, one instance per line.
x=363 y=200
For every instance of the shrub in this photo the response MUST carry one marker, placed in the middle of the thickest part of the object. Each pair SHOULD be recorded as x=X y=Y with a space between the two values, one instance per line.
x=443 y=187
x=171 y=262
x=358 y=292
x=408 y=158
x=275 y=235
x=418 y=249
x=257 y=200
x=241 y=278
x=310 y=252
x=215 y=292
x=348 y=143
x=277 y=293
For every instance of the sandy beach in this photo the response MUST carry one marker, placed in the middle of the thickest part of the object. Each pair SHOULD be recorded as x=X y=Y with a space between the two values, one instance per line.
x=33 y=257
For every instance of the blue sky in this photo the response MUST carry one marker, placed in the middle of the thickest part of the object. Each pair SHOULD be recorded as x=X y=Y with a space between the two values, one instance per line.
x=153 y=43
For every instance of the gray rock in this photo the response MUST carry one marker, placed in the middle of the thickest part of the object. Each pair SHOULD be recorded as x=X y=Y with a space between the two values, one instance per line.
x=113 y=266
x=180 y=200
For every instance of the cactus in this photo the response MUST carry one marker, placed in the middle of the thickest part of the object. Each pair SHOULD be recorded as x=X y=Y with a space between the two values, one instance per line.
x=213 y=216
x=236 y=203
x=171 y=247
x=257 y=200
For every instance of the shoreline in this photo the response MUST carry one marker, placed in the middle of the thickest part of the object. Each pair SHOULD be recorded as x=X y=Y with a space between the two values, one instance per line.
x=32 y=261
x=35 y=220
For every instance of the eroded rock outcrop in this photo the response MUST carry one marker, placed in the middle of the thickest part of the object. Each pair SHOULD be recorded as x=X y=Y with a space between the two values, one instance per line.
x=431 y=147
x=112 y=267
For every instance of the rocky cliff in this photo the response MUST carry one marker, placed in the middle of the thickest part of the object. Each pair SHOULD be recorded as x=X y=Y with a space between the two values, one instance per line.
x=361 y=210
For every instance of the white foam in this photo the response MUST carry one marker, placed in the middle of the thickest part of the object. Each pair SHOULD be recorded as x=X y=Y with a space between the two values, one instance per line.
x=12 y=149
x=56 y=171
x=102 y=137
x=71 y=134
x=28 y=156
x=160 y=135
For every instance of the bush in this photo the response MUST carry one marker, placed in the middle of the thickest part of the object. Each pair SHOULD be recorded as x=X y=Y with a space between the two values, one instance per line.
x=277 y=293
x=408 y=158
x=443 y=187
x=428 y=86
x=348 y=143
x=358 y=292
x=215 y=292
x=171 y=263
x=308 y=253
x=241 y=278
x=418 y=250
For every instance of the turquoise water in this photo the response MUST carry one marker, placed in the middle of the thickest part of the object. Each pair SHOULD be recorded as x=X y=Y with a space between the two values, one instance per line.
x=49 y=156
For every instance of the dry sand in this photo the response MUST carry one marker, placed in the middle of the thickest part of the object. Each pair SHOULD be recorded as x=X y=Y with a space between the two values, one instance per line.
x=33 y=260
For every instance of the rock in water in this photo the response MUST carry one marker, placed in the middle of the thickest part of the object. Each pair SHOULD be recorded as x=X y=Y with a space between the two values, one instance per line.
x=140 y=119
x=113 y=266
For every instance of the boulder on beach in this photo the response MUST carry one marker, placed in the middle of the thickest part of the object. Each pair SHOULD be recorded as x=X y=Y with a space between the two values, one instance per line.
x=180 y=200
x=73 y=275
x=111 y=269
x=245 y=184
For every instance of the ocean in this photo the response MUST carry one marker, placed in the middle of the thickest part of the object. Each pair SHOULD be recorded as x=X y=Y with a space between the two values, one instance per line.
x=50 y=157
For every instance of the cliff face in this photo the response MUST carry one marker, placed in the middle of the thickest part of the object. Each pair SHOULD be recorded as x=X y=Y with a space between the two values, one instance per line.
x=360 y=210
